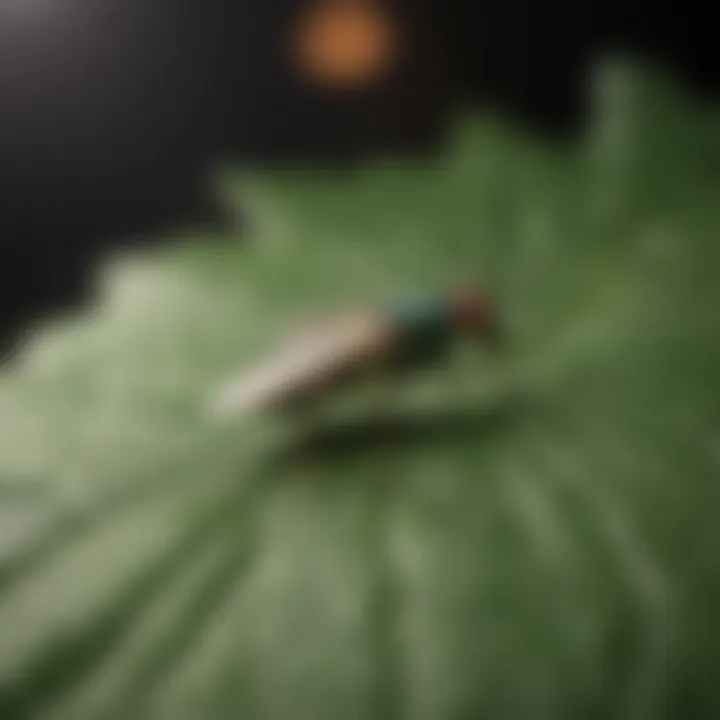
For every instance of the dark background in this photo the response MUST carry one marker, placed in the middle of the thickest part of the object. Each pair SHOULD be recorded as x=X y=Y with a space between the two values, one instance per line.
x=112 y=111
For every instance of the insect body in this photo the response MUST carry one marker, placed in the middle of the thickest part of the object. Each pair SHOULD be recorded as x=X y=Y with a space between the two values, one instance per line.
x=416 y=332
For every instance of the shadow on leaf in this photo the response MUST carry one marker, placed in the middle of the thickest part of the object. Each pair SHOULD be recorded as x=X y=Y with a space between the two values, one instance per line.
x=396 y=432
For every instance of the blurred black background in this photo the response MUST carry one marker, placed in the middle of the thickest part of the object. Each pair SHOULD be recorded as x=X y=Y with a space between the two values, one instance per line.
x=112 y=111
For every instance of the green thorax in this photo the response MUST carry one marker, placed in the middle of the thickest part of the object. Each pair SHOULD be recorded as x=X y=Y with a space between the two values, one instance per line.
x=424 y=324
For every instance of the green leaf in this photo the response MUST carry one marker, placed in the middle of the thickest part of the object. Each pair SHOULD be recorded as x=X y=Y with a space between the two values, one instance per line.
x=552 y=556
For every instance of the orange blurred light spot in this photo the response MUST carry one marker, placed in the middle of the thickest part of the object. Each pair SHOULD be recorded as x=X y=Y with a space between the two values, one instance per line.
x=345 y=43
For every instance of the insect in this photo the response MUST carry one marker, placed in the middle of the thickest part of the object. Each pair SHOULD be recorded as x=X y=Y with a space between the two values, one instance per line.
x=412 y=334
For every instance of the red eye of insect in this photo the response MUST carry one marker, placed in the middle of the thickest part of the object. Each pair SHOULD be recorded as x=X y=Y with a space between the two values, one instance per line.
x=471 y=309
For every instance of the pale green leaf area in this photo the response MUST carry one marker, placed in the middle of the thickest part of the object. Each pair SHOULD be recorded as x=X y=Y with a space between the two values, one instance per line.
x=535 y=538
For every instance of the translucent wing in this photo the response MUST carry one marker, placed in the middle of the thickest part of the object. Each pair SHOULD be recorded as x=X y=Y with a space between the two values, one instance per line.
x=308 y=360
